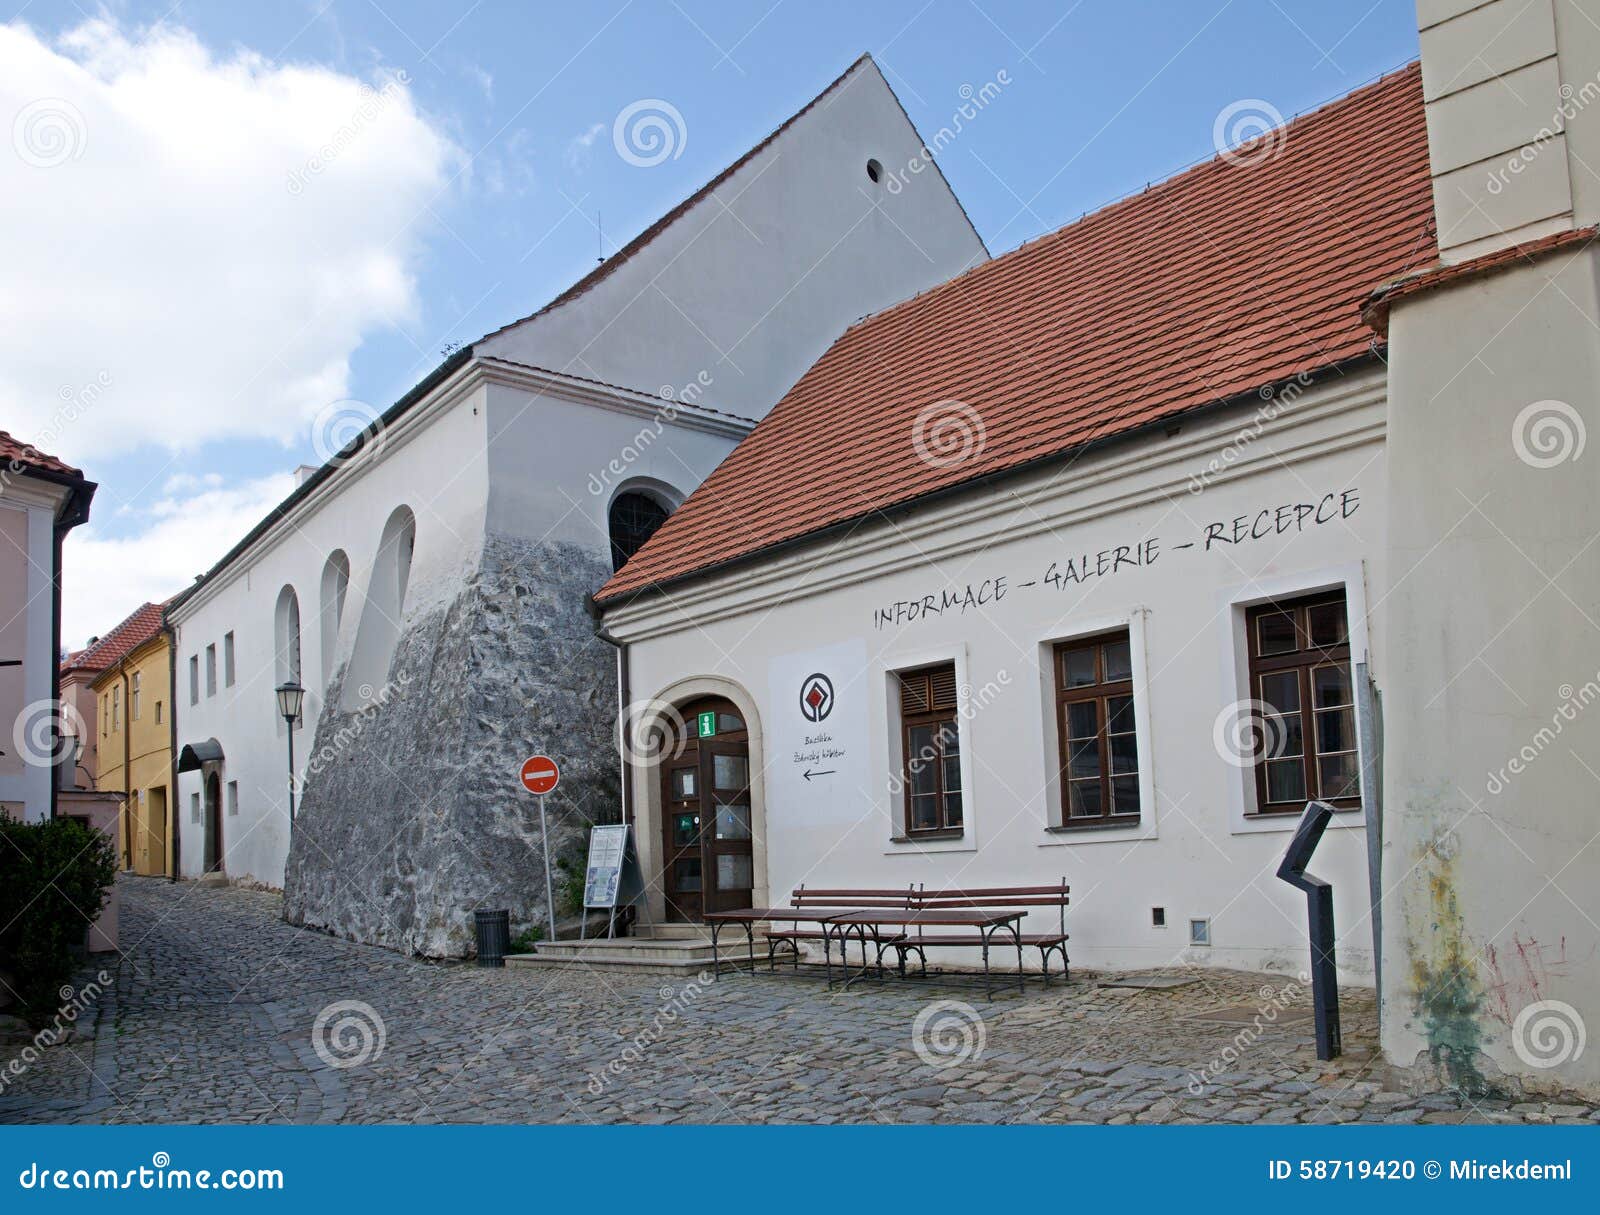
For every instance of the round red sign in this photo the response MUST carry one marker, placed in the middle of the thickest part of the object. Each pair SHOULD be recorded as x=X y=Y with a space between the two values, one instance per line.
x=540 y=774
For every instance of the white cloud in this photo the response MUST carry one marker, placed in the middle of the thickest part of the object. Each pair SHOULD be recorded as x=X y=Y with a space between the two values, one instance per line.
x=105 y=578
x=205 y=239
x=580 y=150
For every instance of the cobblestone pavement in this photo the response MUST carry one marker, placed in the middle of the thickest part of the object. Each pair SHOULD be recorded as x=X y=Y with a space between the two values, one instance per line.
x=213 y=1016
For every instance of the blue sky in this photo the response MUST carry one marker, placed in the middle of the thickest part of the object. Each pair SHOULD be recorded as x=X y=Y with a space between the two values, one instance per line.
x=1105 y=96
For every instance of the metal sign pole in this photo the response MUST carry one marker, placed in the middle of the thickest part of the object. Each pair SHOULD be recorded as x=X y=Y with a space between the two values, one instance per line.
x=549 y=885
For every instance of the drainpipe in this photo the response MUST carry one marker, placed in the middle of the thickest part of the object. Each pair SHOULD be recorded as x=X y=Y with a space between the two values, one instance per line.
x=127 y=758
x=624 y=698
x=174 y=801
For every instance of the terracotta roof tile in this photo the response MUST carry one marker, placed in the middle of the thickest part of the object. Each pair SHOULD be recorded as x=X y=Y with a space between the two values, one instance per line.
x=1225 y=278
x=14 y=451
x=121 y=641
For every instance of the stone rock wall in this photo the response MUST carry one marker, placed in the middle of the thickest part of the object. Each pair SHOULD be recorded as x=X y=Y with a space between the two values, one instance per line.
x=413 y=814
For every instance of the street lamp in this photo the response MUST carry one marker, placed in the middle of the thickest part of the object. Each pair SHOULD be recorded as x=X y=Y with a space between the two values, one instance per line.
x=290 y=698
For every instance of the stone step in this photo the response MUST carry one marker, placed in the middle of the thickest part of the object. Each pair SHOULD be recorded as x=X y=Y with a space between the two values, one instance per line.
x=638 y=953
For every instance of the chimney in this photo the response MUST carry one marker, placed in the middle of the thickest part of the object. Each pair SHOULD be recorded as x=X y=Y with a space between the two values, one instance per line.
x=303 y=474
x=1513 y=106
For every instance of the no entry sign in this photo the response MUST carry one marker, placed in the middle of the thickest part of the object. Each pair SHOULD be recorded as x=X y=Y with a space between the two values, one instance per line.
x=540 y=774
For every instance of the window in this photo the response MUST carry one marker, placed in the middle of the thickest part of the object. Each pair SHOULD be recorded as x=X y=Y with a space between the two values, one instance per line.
x=211 y=669
x=227 y=660
x=634 y=518
x=105 y=716
x=931 y=740
x=233 y=798
x=194 y=808
x=133 y=697
x=335 y=585
x=194 y=679
x=1095 y=718
x=158 y=712
x=1301 y=678
x=116 y=709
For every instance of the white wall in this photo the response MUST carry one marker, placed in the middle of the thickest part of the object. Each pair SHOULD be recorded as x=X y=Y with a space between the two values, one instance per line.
x=754 y=282
x=760 y=628
x=433 y=461
x=27 y=566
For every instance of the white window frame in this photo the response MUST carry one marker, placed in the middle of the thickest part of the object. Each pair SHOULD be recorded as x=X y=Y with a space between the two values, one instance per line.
x=1135 y=620
x=887 y=741
x=1235 y=682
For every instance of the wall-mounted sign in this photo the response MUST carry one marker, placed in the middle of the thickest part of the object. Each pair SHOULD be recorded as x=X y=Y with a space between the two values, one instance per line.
x=706 y=724
x=818 y=715
x=816 y=696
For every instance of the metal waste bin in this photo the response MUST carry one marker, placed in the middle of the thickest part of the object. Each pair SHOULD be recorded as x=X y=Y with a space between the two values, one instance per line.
x=494 y=936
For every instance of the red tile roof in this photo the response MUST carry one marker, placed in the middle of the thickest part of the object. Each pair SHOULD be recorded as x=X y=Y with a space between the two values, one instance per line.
x=121 y=641
x=14 y=451
x=1225 y=278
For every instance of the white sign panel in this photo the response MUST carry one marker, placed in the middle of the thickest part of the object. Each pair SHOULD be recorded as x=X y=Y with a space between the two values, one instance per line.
x=608 y=852
x=818 y=714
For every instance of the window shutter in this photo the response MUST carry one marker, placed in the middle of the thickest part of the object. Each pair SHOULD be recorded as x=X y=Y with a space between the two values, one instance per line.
x=914 y=693
x=943 y=680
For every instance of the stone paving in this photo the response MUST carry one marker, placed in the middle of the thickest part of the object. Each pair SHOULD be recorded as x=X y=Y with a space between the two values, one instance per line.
x=220 y=1012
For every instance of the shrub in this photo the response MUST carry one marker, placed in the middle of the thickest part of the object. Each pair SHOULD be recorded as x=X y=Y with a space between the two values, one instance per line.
x=54 y=879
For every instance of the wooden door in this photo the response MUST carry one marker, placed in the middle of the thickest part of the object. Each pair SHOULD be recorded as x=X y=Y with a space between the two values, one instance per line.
x=156 y=825
x=707 y=861
x=213 y=823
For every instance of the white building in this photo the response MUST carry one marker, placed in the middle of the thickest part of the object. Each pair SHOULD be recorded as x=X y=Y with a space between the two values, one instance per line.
x=41 y=499
x=1144 y=522
x=428 y=585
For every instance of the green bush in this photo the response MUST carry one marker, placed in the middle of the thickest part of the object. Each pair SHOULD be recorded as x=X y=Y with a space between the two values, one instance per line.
x=526 y=940
x=54 y=879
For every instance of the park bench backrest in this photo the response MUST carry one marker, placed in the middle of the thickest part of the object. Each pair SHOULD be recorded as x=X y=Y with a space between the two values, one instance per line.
x=808 y=898
x=997 y=897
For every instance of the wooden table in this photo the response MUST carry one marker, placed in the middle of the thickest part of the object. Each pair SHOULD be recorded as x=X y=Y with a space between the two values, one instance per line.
x=749 y=917
x=989 y=924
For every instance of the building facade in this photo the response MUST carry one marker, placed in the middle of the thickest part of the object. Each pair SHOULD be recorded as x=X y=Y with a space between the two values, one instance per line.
x=41 y=499
x=428 y=585
x=1163 y=526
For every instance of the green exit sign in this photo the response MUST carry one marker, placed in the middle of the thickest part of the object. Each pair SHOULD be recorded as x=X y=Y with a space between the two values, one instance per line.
x=708 y=724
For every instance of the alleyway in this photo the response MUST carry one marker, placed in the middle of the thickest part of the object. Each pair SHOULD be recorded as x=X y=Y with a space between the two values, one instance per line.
x=213 y=1016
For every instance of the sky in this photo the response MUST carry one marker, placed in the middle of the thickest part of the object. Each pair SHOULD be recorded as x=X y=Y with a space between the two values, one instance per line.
x=231 y=233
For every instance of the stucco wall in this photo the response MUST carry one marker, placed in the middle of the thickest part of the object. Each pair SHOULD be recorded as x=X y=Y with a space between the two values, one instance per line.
x=27 y=565
x=1488 y=629
x=1196 y=853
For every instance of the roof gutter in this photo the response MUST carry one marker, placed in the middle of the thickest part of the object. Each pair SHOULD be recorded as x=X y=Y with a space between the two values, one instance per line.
x=945 y=492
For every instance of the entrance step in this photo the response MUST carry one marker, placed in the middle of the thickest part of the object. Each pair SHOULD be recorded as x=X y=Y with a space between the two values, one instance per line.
x=686 y=952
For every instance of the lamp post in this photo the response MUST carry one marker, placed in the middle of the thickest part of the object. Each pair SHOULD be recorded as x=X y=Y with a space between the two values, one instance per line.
x=290 y=697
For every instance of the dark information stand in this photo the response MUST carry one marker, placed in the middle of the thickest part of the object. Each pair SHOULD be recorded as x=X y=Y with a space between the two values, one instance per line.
x=1319 y=912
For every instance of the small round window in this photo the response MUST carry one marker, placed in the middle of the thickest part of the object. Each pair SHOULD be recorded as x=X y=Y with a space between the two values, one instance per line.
x=874 y=171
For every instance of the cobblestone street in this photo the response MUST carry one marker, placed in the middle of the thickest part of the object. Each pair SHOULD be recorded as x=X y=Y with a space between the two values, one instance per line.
x=214 y=1017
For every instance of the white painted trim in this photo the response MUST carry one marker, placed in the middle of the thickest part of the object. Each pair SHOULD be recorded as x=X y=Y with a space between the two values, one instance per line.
x=1235 y=676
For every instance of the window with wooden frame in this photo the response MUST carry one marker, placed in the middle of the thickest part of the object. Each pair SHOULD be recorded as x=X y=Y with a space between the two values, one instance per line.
x=1301 y=676
x=931 y=751
x=1095 y=720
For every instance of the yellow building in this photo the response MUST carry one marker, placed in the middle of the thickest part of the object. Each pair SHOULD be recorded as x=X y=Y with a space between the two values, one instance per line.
x=133 y=735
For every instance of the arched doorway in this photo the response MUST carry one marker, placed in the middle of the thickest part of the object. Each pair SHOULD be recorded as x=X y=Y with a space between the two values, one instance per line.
x=213 y=809
x=706 y=825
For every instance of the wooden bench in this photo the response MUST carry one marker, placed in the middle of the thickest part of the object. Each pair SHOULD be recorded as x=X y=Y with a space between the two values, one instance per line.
x=992 y=898
x=816 y=904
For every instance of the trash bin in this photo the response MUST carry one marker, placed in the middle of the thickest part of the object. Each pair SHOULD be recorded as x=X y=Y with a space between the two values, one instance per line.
x=494 y=936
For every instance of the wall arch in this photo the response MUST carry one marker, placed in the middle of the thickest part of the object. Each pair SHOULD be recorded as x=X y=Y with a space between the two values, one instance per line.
x=646 y=780
x=378 y=633
x=335 y=587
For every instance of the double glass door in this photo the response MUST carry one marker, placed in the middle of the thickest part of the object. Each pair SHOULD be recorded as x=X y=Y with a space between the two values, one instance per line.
x=706 y=824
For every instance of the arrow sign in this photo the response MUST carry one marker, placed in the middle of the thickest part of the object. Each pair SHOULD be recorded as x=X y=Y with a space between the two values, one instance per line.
x=808 y=773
